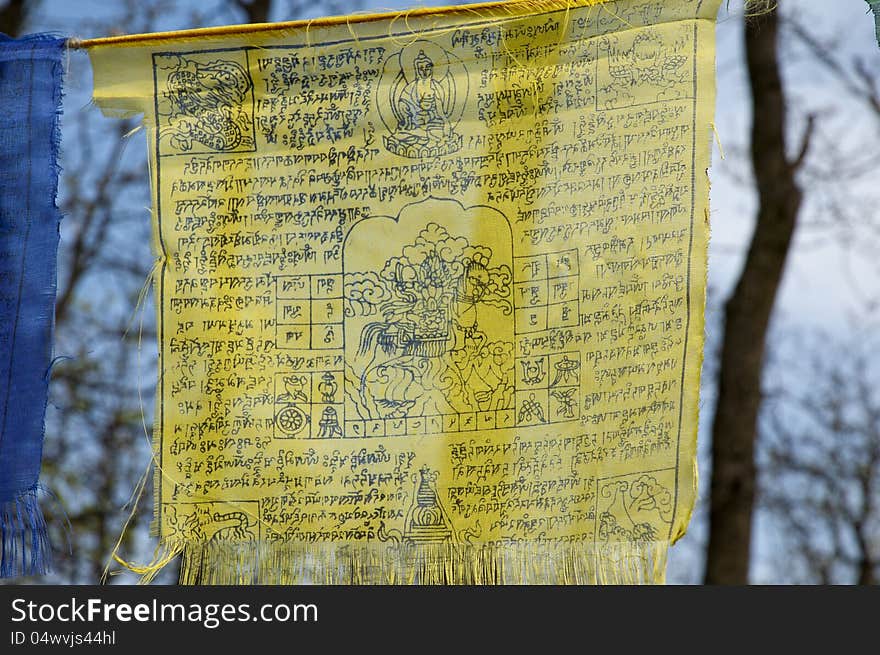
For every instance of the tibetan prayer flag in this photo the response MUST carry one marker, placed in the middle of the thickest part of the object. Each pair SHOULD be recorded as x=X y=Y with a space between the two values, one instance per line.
x=30 y=86
x=430 y=289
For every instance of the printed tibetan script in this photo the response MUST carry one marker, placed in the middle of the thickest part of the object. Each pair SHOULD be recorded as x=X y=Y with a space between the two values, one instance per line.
x=432 y=286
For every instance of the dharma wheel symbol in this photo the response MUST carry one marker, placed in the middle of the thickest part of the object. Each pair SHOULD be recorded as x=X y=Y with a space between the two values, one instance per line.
x=291 y=420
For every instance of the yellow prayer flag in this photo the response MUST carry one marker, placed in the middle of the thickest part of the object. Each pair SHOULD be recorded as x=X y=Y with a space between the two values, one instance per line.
x=430 y=289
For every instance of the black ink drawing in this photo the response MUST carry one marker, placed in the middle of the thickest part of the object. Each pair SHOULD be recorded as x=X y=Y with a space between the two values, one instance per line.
x=566 y=371
x=329 y=424
x=308 y=405
x=530 y=410
x=423 y=100
x=567 y=401
x=427 y=521
x=204 y=523
x=208 y=104
x=634 y=507
x=647 y=69
x=532 y=370
x=541 y=399
x=294 y=389
x=328 y=387
x=291 y=419
x=429 y=335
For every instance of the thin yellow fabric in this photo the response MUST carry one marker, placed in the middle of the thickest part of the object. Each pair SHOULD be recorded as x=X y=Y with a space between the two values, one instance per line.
x=430 y=290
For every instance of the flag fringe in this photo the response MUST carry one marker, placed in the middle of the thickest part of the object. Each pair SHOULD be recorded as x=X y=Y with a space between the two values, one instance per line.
x=539 y=563
x=25 y=548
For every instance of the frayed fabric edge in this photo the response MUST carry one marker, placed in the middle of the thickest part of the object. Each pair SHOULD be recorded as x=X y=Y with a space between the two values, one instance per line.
x=25 y=548
x=538 y=563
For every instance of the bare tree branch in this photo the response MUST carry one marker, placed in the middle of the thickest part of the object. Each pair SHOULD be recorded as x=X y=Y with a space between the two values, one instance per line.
x=747 y=313
x=13 y=16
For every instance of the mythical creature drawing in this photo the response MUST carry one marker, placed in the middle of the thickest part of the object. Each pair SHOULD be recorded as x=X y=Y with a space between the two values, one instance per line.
x=206 y=103
x=437 y=345
x=203 y=524
x=634 y=508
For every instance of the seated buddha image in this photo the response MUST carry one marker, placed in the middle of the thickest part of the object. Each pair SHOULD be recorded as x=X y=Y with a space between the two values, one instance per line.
x=424 y=105
x=424 y=102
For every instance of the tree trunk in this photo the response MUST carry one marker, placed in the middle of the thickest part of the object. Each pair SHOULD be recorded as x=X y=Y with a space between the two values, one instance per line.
x=257 y=11
x=747 y=312
x=865 y=563
x=12 y=17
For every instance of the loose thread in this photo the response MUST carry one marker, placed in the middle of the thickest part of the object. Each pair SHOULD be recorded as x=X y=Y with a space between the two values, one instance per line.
x=260 y=562
x=718 y=140
x=482 y=10
x=25 y=548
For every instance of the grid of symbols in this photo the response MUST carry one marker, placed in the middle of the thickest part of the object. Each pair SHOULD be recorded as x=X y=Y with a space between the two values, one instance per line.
x=546 y=290
x=308 y=312
x=548 y=388
x=308 y=405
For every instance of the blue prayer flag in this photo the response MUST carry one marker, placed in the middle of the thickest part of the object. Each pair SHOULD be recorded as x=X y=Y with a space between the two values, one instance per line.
x=30 y=88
